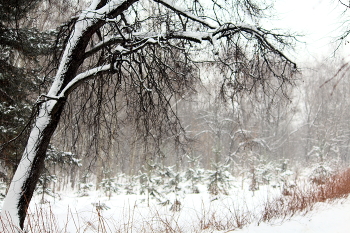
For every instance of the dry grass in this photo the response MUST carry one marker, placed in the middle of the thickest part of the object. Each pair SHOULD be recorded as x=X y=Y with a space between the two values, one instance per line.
x=302 y=198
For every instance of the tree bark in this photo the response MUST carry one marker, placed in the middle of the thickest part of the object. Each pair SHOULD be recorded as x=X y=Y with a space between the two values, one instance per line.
x=29 y=169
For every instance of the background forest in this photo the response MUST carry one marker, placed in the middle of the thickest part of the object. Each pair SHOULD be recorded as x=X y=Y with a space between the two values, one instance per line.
x=259 y=138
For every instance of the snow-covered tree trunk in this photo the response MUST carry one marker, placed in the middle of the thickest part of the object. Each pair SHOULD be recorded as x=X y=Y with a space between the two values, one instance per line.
x=50 y=108
x=29 y=169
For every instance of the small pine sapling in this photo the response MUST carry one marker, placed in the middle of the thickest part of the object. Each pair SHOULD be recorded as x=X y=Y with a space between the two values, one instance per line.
x=85 y=186
x=44 y=188
x=194 y=175
x=150 y=183
x=219 y=179
x=130 y=185
x=109 y=186
x=173 y=186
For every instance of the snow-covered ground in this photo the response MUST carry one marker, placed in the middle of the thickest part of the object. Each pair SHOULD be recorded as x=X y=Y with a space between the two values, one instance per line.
x=197 y=213
x=325 y=218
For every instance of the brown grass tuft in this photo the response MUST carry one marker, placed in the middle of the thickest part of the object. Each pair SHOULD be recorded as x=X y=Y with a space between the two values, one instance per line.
x=302 y=198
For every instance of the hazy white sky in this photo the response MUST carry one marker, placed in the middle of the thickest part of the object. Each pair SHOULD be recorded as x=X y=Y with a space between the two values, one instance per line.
x=319 y=20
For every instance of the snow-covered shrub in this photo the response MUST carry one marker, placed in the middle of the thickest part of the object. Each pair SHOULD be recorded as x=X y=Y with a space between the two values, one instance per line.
x=149 y=185
x=265 y=173
x=172 y=185
x=320 y=174
x=85 y=186
x=176 y=206
x=109 y=186
x=84 y=189
x=278 y=174
x=287 y=183
x=173 y=179
x=100 y=206
x=324 y=158
x=219 y=179
x=194 y=175
x=130 y=185
x=43 y=186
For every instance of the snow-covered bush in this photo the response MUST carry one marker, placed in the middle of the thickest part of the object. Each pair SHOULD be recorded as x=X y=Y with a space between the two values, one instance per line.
x=219 y=179
x=84 y=189
x=44 y=188
x=109 y=186
x=130 y=185
x=173 y=180
x=265 y=173
x=85 y=186
x=150 y=186
x=320 y=174
x=194 y=175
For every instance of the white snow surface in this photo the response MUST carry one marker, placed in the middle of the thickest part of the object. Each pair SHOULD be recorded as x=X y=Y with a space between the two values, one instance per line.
x=325 y=218
x=131 y=213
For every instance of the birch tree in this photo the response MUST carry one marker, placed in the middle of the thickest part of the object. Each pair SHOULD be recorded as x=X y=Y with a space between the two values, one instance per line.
x=150 y=48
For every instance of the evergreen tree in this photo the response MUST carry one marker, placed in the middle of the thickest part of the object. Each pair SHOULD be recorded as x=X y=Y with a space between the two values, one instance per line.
x=150 y=183
x=44 y=188
x=85 y=186
x=194 y=174
x=219 y=179
x=130 y=185
x=21 y=48
x=172 y=186
x=109 y=186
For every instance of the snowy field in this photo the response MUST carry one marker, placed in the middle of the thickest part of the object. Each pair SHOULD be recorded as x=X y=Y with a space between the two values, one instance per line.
x=325 y=218
x=240 y=211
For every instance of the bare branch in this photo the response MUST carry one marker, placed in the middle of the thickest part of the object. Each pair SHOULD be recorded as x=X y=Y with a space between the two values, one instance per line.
x=183 y=12
x=344 y=4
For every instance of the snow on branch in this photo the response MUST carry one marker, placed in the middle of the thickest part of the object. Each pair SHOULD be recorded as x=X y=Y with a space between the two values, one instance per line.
x=142 y=39
x=132 y=42
x=82 y=77
x=103 y=12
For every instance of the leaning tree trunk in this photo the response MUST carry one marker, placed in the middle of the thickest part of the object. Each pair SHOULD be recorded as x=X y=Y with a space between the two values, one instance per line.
x=29 y=169
x=50 y=108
